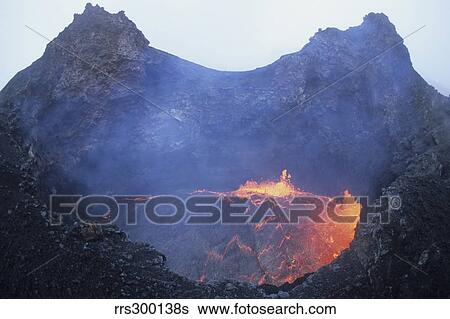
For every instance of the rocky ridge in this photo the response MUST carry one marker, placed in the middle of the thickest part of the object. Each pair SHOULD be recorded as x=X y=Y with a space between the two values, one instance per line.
x=65 y=125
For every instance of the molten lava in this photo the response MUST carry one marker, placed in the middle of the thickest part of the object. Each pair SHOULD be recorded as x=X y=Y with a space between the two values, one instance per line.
x=276 y=253
x=281 y=188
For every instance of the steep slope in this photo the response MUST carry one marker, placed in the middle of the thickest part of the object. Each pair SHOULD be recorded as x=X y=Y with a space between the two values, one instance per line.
x=75 y=261
x=107 y=113
x=98 y=89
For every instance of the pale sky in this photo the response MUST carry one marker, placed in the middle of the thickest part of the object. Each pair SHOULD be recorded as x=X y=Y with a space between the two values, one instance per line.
x=232 y=34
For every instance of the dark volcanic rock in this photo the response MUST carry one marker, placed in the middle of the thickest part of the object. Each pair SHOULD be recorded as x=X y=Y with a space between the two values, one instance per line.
x=90 y=125
x=42 y=261
x=86 y=117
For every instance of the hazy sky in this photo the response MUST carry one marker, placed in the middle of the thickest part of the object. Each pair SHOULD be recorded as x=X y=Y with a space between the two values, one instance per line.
x=232 y=34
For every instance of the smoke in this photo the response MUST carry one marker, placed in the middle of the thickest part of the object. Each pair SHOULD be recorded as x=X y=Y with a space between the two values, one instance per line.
x=107 y=139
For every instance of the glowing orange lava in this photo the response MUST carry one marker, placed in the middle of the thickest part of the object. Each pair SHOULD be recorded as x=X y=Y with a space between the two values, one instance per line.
x=276 y=253
x=281 y=188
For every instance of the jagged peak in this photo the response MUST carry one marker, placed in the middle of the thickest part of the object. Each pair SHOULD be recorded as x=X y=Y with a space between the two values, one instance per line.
x=375 y=27
x=377 y=18
x=375 y=23
x=96 y=13
x=379 y=22
x=90 y=8
x=374 y=35
x=96 y=10
x=104 y=31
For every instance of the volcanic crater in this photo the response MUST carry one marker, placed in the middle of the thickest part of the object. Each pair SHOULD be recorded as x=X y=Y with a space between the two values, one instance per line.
x=377 y=129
